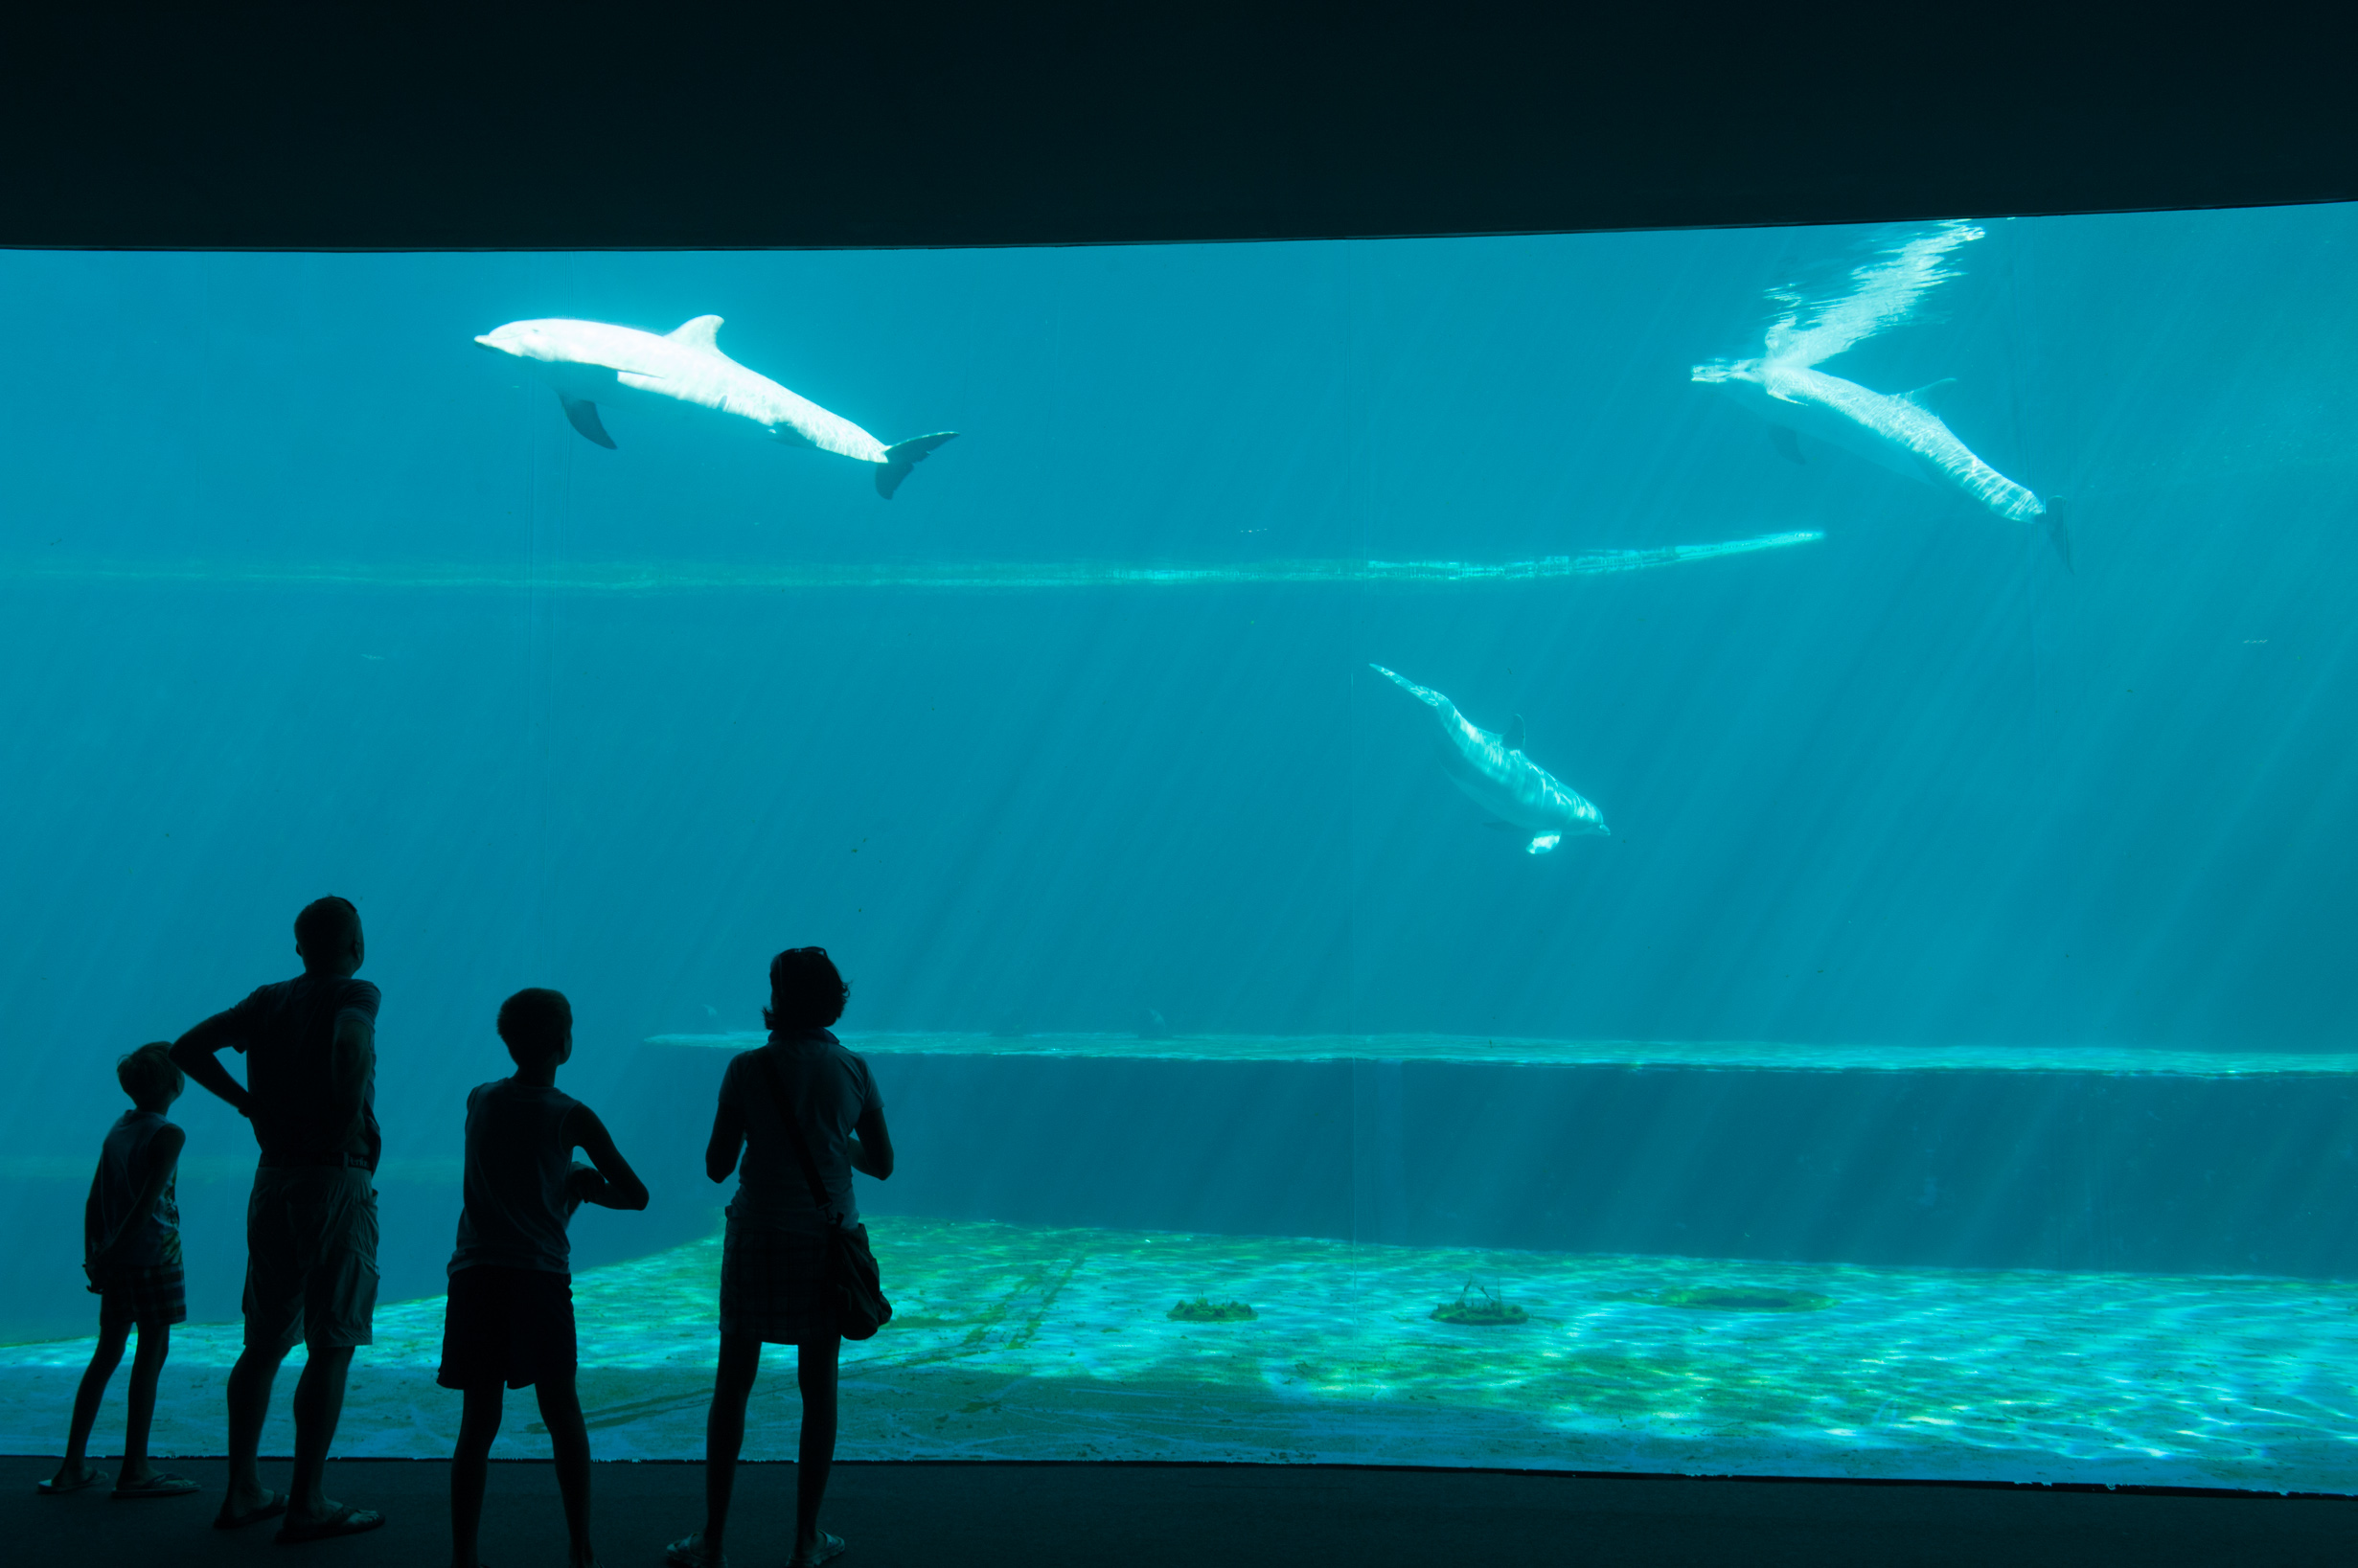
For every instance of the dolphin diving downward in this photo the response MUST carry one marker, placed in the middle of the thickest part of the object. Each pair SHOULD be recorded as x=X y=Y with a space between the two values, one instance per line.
x=587 y=361
x=1899 y=433
x=1492 y=768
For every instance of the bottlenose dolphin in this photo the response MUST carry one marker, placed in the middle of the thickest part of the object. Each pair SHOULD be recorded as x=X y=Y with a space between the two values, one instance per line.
x=1900 y=433
x=1492 y=768
x=589 y=360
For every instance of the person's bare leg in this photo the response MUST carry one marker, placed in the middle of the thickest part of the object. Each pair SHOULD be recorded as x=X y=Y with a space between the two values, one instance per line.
x=724 y=1431
x=103 y=1360
x=319 y=1404
x=470 y=1467
x=249 y=1406
x=147 y=1367
x=560 y=1412
x=814 y=1371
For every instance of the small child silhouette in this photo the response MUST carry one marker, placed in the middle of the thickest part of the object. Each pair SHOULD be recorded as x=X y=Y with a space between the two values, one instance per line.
x=132 y=1252
x=510 y=1316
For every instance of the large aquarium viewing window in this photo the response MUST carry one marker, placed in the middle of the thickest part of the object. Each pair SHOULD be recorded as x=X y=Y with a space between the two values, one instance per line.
x=1707 y=852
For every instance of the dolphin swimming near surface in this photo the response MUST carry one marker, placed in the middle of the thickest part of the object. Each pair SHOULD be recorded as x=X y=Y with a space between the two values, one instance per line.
x=1492 y=768
x=590 y=362
x=1901 y=433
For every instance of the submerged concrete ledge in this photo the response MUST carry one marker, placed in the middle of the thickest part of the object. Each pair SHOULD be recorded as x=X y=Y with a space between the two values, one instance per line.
x=1726 y=1056
x=688 y=577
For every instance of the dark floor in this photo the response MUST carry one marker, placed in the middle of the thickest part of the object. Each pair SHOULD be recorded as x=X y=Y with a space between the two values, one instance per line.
x=1137 y=1516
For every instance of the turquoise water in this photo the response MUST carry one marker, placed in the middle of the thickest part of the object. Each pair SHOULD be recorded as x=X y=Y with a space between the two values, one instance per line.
x=1971 y=926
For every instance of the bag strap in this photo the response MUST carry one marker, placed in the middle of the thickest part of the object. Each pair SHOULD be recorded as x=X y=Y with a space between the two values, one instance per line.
x=793 y=1136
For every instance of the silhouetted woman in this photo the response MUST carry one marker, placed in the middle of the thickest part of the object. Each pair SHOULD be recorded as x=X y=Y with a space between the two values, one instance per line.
x=774 y=1258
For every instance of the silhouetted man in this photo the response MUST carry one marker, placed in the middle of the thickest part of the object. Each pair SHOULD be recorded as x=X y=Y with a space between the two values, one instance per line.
x=310 y=1227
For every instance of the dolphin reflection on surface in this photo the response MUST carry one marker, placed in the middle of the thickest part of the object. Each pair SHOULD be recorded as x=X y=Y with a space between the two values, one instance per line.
x=1902 y=433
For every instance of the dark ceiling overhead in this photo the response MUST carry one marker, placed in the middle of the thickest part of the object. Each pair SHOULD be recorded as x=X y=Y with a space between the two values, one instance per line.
x=929 y=124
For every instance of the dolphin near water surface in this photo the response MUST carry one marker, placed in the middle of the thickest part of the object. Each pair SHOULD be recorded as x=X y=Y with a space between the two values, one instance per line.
x=590 y=362
x=1492 y=768
x=1902 y=433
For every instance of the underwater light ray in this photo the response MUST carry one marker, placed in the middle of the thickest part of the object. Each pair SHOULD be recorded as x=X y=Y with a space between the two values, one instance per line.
x=1985 y=1208
x=966 y=576
x=2206 y=864
x=1656 y=1128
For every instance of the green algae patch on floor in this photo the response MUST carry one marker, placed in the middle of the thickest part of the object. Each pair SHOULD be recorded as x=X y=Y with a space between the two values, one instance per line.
x=1204 y=1309
x=1482 y=1307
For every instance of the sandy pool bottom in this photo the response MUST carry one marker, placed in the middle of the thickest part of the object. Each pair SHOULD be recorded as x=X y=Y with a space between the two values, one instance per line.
x=1016 y=1343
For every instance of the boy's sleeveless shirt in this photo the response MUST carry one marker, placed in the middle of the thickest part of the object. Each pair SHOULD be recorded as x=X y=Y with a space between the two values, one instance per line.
x=833 y=1090
x=517 y=1161
x=154 y=1240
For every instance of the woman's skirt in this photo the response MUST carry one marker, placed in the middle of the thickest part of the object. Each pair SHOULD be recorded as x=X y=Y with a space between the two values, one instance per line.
x=773 y=1285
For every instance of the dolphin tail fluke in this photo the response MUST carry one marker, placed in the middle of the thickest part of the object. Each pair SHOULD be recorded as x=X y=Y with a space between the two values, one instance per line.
x=1423 y=693
x=583 y=414
x=903 y=456
x=2058 y=534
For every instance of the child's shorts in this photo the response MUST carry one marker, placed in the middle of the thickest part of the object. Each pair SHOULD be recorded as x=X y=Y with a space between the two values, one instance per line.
x=511 y=1326
x=152 y=1298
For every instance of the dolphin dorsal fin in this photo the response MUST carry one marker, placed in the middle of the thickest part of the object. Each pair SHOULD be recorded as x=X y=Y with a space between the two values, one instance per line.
x=1514 y=733
x=698 y=333
x=1931 y=395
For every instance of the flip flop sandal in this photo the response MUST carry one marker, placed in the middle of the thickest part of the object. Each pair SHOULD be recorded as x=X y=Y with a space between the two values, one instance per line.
x=689 y=1551
x=271 y=1509
x=825 y=1549
x=50 y=1489
x=346 y=1520
x=159 y=1485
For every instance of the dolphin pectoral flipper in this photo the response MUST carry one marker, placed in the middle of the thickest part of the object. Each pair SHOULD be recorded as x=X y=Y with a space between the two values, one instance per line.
x=1788 y=444
x=583 y=415
x=1513 y=737
x=903 y=455
x=1543 y=843
x=1931 y=395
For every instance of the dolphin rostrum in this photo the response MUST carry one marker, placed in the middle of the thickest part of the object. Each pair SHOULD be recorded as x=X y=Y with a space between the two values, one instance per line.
x=1492 y=768
x=589 y=360
x=1903 y=434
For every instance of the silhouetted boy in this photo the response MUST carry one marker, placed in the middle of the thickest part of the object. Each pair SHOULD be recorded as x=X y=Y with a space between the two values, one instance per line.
x=510 y=1317
x=130 y=1230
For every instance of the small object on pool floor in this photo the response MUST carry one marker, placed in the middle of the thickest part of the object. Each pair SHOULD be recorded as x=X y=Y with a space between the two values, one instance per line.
x=1204 y=1309
x=1712 y=1298
x=1489 y=1310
